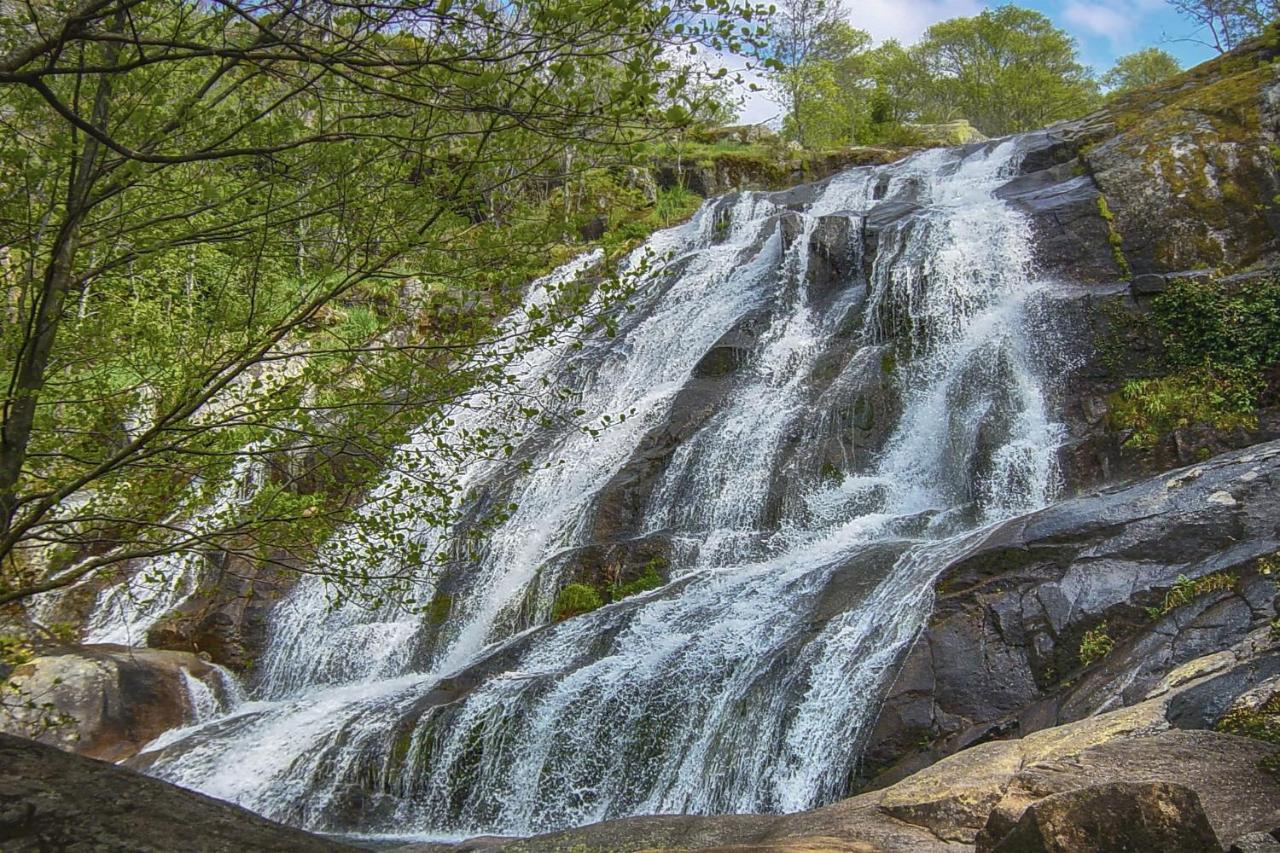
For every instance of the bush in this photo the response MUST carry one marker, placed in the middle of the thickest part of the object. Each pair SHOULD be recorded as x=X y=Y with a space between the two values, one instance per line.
x=1218 y=345
x=1185 y=590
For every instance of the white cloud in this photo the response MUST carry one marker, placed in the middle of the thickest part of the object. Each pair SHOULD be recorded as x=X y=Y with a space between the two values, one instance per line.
x=1117 y=22
x=907 y=21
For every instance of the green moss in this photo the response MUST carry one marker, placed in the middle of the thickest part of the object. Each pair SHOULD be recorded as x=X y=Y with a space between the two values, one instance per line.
x=1261 y=723
x=1114 y=238
x=576 y=599
x=650 y=577
x=1185 y=590
x=1096 y=644
x=439 y=608
x=888 y=362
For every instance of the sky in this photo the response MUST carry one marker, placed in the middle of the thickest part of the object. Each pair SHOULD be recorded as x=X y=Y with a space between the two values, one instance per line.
x=1104 y=29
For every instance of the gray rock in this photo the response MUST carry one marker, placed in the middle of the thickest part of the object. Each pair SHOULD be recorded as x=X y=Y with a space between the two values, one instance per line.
x=115 y=699
x=1148 y=284
x=1257 y=842
x=52 y=800
x=1001 y=652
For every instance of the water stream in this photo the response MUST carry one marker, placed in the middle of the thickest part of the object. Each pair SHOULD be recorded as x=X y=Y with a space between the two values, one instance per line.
x=806 y=495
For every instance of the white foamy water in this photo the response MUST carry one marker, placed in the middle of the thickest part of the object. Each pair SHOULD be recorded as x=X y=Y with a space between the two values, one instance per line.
x=747 y=683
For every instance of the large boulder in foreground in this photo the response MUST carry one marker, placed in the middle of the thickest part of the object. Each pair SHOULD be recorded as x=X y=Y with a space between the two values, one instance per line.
x=1115 y=816
x=109 y=701
x=52 y=800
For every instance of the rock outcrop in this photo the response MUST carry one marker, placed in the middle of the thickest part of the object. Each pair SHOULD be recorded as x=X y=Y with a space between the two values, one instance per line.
x=50 y=800
x=108 y=701
x=1166 y=570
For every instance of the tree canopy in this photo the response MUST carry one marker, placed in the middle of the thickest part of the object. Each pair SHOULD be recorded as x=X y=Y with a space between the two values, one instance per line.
x=1005 y=70
x=261 y=227
x=1139 y=70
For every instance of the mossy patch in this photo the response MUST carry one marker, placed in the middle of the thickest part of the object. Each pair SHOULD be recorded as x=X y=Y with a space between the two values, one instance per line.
x=576 y=599
x=1261 y=723
x=1218 y=346
x=1114 y=238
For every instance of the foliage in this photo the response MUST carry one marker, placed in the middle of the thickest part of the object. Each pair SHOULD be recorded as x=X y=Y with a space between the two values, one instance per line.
x=1005 y=70
x=1224 y=24
x=1139 y=70
x=1185 y=590
x=280 y=238
x=1218 y=343
x=1096 y=644
x=576 y=599
x=1154 y=408
x=806 y=36
x=1261 y=723
x=649 y=578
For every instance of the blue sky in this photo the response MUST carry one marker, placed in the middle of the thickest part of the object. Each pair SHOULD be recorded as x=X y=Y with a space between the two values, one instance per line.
x=1104 y=29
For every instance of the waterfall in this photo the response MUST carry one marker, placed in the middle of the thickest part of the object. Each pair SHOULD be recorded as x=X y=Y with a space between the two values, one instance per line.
x=807 y=494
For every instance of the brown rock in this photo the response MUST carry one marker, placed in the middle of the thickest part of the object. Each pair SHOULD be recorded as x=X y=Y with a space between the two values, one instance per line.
x=1111 y=818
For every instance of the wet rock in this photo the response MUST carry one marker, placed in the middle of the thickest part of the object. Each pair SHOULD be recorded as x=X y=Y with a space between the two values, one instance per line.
x=979 y=795
x=51 y=800
x=834 y=254
x=1072 y=238
x=1148 y=284
x=227 y=618
x=1116 y=816
x=1001 y=654
x=109 y=700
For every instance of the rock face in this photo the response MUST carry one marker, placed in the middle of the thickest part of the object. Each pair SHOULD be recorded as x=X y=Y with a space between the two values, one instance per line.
x=112 y=700
x=50 y=800
x=1169 y=569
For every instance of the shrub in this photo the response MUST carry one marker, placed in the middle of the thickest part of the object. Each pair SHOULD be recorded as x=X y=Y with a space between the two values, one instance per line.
x=1097 y=644
x=1218 y=344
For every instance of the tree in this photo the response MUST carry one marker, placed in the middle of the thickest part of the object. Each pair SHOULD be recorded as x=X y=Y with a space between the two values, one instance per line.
x=1139 y=70
x=1225 y=23
x=200 y=202
x=1006 y=70
x=804 y=33
x=832 y=104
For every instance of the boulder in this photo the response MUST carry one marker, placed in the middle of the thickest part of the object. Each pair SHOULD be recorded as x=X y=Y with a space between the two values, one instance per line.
x=52 y=800
x=1109 y=817
x=109 y=701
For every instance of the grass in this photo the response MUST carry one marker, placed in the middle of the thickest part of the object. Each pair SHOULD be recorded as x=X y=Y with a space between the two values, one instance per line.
x=1185 y=590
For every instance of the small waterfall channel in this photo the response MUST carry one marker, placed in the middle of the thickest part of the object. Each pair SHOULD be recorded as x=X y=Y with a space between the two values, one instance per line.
x=828 y=391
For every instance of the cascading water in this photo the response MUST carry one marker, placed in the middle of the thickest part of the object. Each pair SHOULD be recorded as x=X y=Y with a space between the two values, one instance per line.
x=747 y=681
